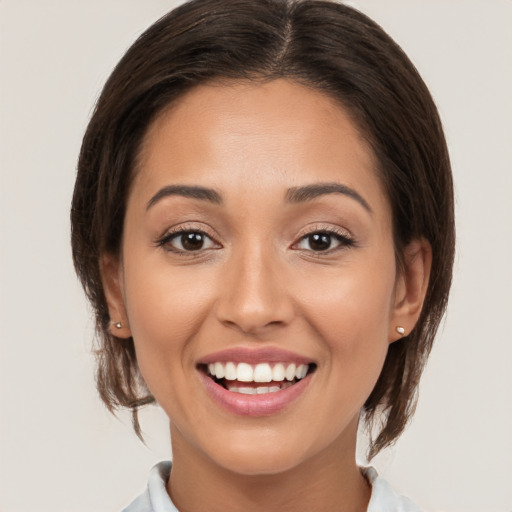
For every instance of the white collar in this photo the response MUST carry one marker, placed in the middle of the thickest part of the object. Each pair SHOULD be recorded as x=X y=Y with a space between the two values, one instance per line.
x=156 y=499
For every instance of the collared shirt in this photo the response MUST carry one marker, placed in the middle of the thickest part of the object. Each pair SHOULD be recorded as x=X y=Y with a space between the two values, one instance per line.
x=156 y=499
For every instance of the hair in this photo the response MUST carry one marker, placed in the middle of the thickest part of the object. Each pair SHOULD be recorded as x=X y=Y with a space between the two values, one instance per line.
x=326 y=46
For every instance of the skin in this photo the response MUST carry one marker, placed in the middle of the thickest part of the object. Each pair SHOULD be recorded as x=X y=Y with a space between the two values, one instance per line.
x=258 y=281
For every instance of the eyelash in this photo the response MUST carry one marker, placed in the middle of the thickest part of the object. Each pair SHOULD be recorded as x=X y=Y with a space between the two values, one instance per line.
x=345 y=241
x=168 y=237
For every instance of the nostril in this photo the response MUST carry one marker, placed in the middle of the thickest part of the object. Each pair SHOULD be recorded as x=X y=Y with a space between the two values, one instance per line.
x=253 y=306
x=252 y=325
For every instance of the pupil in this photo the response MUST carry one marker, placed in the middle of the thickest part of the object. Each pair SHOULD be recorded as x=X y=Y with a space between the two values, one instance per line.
x=192 y=241
x=320 y=242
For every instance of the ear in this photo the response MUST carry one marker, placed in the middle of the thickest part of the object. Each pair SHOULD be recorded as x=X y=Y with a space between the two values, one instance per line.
x=411 y=288
x=112 y=278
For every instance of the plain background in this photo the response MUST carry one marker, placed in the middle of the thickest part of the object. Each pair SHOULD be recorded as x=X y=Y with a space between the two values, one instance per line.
x=60 y=450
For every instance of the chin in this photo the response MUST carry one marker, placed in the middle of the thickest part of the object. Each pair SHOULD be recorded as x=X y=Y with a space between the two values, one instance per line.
x=257 y=457
x=259 y=464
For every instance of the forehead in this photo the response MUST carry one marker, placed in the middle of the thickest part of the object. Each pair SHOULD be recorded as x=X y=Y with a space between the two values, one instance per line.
x=259 y=134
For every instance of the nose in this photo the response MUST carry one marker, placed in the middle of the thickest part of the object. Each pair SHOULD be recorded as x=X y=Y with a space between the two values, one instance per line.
x=254 y=297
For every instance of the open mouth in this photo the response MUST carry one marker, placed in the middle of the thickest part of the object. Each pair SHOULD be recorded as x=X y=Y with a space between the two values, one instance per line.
x=256 y=379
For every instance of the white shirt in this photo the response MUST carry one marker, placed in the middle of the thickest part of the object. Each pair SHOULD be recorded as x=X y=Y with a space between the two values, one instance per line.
x=156 y=499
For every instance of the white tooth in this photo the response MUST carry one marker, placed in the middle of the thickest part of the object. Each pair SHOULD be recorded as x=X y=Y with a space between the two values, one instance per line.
x=230 y=371
x=290 y=372
x=211 y=369
x=261 y=390
x=262 y=373
x=219 y=370
x=247 y=391
x=244 y=372
x=278 y=372
x=301 y=371
x=273 y=389
x=233 y=389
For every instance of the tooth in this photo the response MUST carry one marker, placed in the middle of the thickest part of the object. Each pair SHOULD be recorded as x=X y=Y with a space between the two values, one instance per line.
x=278 y=372
x=211 y=369
x=219 y=370
x=247 y=391
x=261 y=390
x=244 y=372
x=262 y=373
x=230 y=371
x=301 y=371
x=290 y=372
x=273 y=389
x=233 y=389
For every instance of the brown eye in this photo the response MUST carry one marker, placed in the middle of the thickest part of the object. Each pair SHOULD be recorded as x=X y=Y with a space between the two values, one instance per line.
x=319 y=241
x=323 y=241
x=192 y=241
x=187 y=241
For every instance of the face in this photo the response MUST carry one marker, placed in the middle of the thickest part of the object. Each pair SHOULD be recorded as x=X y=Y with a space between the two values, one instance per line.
x=258 y=275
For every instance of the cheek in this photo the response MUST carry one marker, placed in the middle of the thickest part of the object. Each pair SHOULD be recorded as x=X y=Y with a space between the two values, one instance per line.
x=349 y=314
x=165 y=310
x=350 y=303
x=158 y=297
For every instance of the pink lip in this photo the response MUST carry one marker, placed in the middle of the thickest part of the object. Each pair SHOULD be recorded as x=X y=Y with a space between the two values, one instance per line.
x=253 y=405
x=254 y=356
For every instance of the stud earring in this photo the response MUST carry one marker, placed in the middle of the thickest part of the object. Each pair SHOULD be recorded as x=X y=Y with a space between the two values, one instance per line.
x=400 y=330
x=118 y=325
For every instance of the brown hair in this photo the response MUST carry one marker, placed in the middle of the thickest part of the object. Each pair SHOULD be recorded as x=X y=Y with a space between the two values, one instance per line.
x=327 y=46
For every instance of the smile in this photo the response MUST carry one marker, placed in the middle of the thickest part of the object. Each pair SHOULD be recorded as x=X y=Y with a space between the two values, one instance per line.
x=255 y=382
x=250 y=379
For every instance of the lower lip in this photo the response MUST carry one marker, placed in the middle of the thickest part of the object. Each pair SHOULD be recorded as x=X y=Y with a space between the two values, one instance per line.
x=254 y=405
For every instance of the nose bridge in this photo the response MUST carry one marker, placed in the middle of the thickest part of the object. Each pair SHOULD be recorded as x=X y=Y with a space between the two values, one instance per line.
x=253 y=296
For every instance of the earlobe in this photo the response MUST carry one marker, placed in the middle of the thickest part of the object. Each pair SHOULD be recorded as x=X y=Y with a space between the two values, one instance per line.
x=111 y=277
x=411 y=288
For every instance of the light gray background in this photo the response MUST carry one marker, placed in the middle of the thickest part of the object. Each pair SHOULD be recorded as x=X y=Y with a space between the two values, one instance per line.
x=60 y=451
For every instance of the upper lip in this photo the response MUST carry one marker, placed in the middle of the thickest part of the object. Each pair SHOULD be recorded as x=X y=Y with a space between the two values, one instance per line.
x=254 y=356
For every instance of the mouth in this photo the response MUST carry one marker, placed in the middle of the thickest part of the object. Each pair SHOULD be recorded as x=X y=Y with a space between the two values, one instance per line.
x=256 y=379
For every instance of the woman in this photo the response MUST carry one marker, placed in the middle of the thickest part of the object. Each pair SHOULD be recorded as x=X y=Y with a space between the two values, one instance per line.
x=263 y=222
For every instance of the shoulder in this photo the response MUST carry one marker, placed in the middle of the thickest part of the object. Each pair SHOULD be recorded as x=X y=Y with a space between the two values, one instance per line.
x=384 y=498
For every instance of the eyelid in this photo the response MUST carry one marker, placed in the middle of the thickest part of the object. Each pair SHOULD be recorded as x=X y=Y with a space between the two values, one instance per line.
x=345 y=237
x=175 y=231
x=317 y=227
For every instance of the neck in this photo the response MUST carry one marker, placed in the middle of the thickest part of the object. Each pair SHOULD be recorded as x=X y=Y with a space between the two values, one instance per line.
x=330 y=481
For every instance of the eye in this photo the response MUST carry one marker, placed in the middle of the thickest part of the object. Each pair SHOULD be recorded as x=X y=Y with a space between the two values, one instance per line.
x=187 y=241
x=323 y=241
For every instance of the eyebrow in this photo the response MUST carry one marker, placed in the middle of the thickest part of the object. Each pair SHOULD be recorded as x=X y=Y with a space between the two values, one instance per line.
x=191 y=191
x=293 y=195
x=310 y=192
